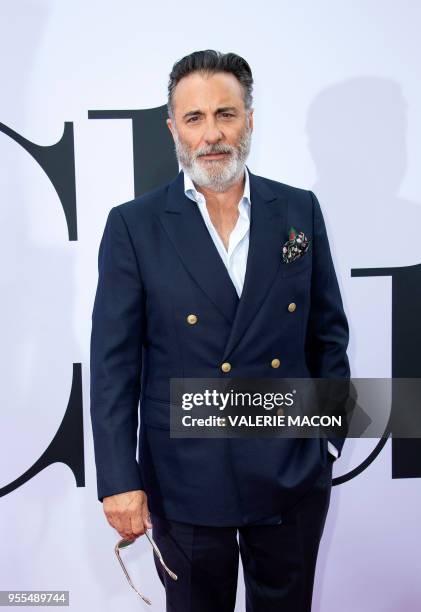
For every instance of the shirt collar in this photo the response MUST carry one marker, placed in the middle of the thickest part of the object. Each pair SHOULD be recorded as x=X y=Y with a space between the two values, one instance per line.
x=192 y=193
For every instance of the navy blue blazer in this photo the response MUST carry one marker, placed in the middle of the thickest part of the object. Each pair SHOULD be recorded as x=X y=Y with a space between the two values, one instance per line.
x=157 y=264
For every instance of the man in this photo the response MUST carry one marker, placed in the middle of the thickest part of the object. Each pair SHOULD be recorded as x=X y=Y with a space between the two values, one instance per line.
x=192 y=283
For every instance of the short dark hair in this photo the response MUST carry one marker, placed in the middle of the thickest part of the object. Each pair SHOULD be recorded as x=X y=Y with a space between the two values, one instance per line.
x=210 y=61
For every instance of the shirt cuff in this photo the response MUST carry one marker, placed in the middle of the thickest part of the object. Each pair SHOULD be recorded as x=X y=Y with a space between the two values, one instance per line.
x=332 y=449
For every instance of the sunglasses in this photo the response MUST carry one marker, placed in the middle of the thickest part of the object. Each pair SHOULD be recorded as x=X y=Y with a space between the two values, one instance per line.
x=123 y=544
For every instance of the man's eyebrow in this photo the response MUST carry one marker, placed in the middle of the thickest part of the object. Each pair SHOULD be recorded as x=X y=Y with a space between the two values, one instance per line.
x=226 y=109
x=192 y=112
x=222 y=109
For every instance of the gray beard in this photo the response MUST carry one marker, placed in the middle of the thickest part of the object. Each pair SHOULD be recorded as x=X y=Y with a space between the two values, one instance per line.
x=217 y=175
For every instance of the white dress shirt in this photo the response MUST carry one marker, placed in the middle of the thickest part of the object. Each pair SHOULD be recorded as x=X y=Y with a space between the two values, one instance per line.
x=235 y=258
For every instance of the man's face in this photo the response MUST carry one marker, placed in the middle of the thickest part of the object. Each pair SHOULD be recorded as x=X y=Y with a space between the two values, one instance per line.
x=211 y=129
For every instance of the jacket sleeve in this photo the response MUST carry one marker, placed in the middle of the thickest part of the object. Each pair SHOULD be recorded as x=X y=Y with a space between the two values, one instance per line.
x=116 y=360
x=327 y=332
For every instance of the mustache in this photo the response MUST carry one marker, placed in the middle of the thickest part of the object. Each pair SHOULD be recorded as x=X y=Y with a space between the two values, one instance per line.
x=213 y=150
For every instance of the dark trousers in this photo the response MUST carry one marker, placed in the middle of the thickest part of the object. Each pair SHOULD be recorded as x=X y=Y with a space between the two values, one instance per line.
x=279 y=561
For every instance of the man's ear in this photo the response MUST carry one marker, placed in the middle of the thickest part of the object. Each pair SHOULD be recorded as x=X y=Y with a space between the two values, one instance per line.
x=251 y=111
x=170 y=126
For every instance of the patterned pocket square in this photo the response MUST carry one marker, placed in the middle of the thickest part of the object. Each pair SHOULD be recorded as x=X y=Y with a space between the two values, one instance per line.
x=296 y=246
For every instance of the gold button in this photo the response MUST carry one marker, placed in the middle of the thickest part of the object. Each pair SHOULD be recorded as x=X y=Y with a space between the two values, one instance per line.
x=226 y=367
x=275 y=363
x=192 y=319
x=280 y=412
x=292 y=307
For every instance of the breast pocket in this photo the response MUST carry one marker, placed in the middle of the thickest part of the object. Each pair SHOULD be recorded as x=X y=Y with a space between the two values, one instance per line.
x=302 y=264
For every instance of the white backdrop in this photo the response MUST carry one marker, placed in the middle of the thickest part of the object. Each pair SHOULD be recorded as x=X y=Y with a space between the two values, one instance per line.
x=337 y=99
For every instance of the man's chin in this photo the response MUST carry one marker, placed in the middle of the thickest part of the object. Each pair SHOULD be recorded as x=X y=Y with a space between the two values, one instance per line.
x=213 y=167
x=213 y=163
x=211 y=174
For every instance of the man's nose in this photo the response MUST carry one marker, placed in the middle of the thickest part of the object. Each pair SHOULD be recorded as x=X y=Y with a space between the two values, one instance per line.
x=212 y=133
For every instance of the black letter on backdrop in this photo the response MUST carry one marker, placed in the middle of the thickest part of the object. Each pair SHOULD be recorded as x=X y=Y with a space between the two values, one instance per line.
x=154 y=159
x=58 y=163
x=406 y=363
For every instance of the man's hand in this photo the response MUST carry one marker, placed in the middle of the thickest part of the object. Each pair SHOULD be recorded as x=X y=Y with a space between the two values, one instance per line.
x=128 y=513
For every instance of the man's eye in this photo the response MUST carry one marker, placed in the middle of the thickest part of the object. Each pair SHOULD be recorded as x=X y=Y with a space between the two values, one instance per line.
x=192 y=119
x=227 y=115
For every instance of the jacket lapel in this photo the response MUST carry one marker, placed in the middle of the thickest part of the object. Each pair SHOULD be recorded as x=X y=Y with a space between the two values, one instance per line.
x=267 y=234
x=186 y=229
